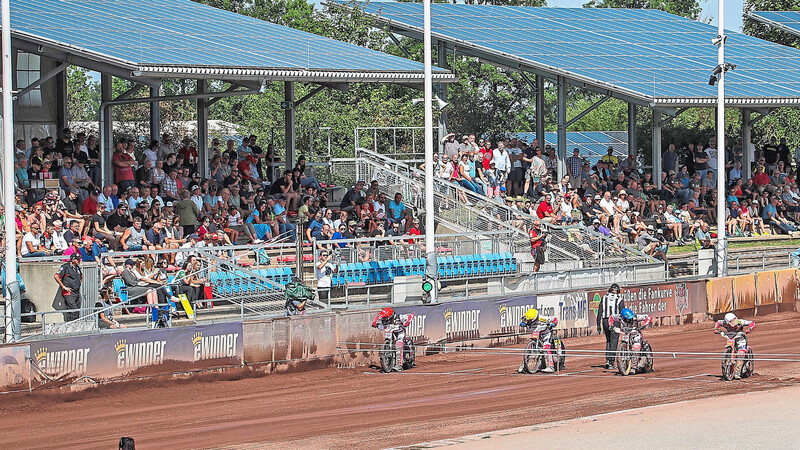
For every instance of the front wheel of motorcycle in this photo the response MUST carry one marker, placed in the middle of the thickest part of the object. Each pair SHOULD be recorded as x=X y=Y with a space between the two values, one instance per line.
x=530 y=358
x=727 y=364
x=647 y=356
x=388 y=356
x=624 y=360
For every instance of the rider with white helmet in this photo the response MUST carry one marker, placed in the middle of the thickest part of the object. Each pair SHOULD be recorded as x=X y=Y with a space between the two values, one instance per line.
x=733 y=324
x=544 y=325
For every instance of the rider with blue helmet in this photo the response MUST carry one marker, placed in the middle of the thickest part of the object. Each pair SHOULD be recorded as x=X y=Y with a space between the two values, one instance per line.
x=627 y=318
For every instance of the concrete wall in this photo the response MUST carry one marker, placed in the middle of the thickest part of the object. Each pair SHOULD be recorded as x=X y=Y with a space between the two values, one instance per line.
x=40 y=286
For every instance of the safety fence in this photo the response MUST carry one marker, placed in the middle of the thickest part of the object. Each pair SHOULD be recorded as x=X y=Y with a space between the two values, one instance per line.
x=237 y=281
x=346 y=339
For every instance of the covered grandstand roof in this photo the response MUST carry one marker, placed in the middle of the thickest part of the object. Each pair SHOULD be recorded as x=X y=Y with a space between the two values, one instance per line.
x=593 y=145
x=184 y=39
x=788 y=21
x=647 y=57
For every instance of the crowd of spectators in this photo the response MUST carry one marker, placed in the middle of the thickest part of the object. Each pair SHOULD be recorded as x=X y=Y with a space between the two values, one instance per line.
x=618 y=198
x=156 y=199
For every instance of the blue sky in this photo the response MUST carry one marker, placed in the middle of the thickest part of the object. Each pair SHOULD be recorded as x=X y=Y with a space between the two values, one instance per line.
x=733 y=11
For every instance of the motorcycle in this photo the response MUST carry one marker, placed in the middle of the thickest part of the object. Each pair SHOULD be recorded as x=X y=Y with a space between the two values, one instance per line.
x=534 y=356
x=629 y=360
x=730 y=355
x=389 y=352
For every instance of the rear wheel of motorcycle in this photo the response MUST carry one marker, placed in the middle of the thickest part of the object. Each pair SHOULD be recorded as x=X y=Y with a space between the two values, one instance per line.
x=387 y=356
x=747 y=368
x=408 y=354
x=727 y=364
x=623 y=359
x=562 y=356
x=647 y=354
x=531 y=357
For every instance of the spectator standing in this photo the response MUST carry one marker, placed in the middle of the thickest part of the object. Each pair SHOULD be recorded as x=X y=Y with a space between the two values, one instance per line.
x=187 y=210
x=69 y=279
x=123 y=166
x=323 y=272
x=537 y=245
x=451 y=147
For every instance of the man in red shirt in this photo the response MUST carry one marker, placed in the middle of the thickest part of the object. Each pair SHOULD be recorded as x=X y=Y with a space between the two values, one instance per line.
x=760 y=179
x=545 y=211
x=189 y=153
x=537 y=244
x=123 y=167
x=89 y=206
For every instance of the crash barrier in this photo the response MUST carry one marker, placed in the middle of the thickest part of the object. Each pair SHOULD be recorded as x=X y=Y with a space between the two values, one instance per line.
x=345 y=338
x=761 y=292
x=120 y=355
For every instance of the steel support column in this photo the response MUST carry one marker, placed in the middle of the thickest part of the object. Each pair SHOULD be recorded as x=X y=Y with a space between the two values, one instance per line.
x=106 y=129
x=561 y=152
x=61 y=100
x=539 y=81
x=747 y=137
x=632 y=129
x=202 y=129
x=155 y=116
x=656 y=155
x=441 y=90
x=288 y=96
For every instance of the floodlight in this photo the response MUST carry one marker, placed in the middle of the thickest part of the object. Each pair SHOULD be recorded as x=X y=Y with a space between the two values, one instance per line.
x=417 y=101
x=440 y=102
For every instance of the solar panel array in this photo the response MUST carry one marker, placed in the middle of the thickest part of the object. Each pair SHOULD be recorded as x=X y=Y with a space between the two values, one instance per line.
x=592 y=144
x=185 y=33
x=788 y=21
x=646 y=53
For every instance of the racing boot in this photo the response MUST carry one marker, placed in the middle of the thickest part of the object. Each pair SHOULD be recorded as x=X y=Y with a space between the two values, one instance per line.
x=737 y=371
x=549 y=368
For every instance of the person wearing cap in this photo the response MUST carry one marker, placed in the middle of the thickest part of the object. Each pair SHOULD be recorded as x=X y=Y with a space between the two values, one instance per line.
x=538 y=244
x=574 y=167
x=352 y=196
x=598 y=227
x=189 y=153
x=646 y=242
x=69 y=278
x=281 y=215
x=609 y=159
x=64 y=144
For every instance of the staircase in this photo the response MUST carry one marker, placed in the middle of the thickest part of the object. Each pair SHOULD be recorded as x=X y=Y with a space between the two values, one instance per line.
x=567 y=247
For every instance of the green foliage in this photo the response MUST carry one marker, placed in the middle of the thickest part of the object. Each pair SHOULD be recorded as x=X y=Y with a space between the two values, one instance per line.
x=83 y=95
x=686 y=8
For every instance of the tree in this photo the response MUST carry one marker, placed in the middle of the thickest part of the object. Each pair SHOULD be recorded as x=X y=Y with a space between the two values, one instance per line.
x=685 y=8
x=83 y=95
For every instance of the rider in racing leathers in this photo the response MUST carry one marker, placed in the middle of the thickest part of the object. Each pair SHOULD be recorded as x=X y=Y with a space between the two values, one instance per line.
x=733 y=324
x=628 y=318
x=390 y=321
x=544 y=325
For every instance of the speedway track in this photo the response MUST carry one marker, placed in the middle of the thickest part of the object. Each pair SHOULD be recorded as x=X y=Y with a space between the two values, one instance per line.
x=446 y=396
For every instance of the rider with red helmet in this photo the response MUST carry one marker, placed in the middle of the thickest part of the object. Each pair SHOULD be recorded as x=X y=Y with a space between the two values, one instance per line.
x=388 y=320
x=732 y=324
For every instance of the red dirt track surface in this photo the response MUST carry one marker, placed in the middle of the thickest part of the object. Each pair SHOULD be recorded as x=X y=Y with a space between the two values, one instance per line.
x=446 y=396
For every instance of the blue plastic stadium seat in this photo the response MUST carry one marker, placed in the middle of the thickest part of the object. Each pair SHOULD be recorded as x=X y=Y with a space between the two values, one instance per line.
x=440 y=266
x=121 y=290
x=287 y=275
x=419 y=266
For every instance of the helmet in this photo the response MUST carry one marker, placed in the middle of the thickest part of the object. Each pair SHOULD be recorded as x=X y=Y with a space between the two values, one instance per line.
x=386 y=315
x=730 y=317
x=627 y=314
x=531 y=314
x=614 y=288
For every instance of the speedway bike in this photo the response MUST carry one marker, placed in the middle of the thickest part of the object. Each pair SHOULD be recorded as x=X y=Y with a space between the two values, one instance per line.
x=534 y=356
x=628 y=359
x=389 y=352
x=730 y=355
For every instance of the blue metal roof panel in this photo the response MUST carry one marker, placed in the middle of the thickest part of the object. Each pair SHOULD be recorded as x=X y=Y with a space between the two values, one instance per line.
x=648 y=53
x=184 y=33
x=788 y=21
